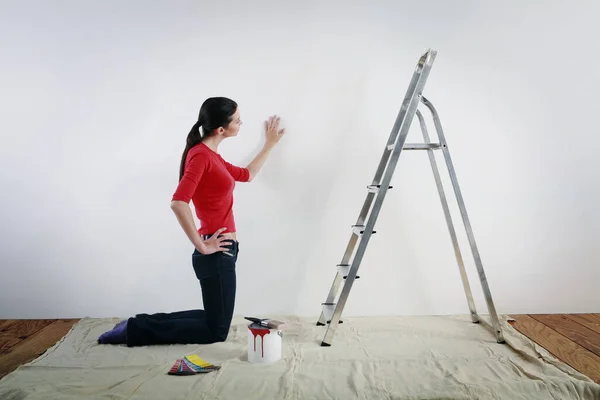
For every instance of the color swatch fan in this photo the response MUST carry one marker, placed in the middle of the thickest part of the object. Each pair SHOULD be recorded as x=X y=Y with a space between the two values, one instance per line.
x=192 y=365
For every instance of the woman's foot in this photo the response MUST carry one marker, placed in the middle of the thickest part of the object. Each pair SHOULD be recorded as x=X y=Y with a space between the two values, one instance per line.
x=117 y=335
x=120 y=323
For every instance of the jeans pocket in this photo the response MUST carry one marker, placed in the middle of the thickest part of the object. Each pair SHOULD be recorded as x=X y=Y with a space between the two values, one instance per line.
x=232 y=249
x=206 y=266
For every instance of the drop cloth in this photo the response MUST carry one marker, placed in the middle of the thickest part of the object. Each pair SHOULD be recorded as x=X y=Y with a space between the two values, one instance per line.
x=445 y=357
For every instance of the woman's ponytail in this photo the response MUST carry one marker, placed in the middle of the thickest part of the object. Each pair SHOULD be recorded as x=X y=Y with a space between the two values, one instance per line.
x=193 y=138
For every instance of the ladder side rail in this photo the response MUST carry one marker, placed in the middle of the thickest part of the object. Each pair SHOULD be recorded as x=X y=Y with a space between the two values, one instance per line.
x=449 y=223
x=469 y=230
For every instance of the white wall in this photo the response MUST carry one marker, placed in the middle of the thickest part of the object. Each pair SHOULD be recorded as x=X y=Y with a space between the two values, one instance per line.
x=97 y=98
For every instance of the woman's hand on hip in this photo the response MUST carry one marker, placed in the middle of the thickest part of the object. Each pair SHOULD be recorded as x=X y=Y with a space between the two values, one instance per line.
x=214 y=243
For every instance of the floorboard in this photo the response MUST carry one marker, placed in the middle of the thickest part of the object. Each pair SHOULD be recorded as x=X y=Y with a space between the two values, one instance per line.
x=572 y=330
x=591 y=321
x=4 y=323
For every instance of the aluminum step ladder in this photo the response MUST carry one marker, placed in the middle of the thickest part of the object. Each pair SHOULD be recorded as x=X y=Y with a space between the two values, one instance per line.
x=365 y=224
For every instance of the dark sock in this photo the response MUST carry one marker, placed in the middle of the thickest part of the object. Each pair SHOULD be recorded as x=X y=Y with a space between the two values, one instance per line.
x=117 y=335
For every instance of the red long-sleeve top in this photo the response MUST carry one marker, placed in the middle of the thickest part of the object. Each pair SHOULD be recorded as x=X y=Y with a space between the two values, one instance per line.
x=208 y=181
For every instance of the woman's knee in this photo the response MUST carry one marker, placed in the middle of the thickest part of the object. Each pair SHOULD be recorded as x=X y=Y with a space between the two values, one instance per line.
x=220 y=335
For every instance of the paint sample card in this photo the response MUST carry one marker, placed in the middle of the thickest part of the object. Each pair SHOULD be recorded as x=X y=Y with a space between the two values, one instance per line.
x=199 y=364
x=181 y=368
x=192 y=365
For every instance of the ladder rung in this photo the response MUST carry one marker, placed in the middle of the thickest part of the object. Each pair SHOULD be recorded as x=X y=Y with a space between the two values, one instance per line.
x=328 y=310
x=359 y=229
x=375 y=188
x=417 y=146
x=344 y=270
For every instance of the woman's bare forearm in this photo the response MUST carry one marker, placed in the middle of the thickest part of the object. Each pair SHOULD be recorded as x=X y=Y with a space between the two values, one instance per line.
x=183 y=213
x=258 y=161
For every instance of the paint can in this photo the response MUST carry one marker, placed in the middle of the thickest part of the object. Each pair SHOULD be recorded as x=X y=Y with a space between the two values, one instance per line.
x=264 y=344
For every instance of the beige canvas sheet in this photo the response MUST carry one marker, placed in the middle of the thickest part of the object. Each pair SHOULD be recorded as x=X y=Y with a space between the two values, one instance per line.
x=371 y=358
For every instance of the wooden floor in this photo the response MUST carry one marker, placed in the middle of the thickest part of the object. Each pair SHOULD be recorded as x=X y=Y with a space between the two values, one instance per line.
x=572 y=338
x=22 y=341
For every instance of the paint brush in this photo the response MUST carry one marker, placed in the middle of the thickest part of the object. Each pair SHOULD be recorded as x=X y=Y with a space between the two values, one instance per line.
x=267 y=323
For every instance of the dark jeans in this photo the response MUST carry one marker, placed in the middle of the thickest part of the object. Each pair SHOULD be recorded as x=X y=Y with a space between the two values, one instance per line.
x=217 y=276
